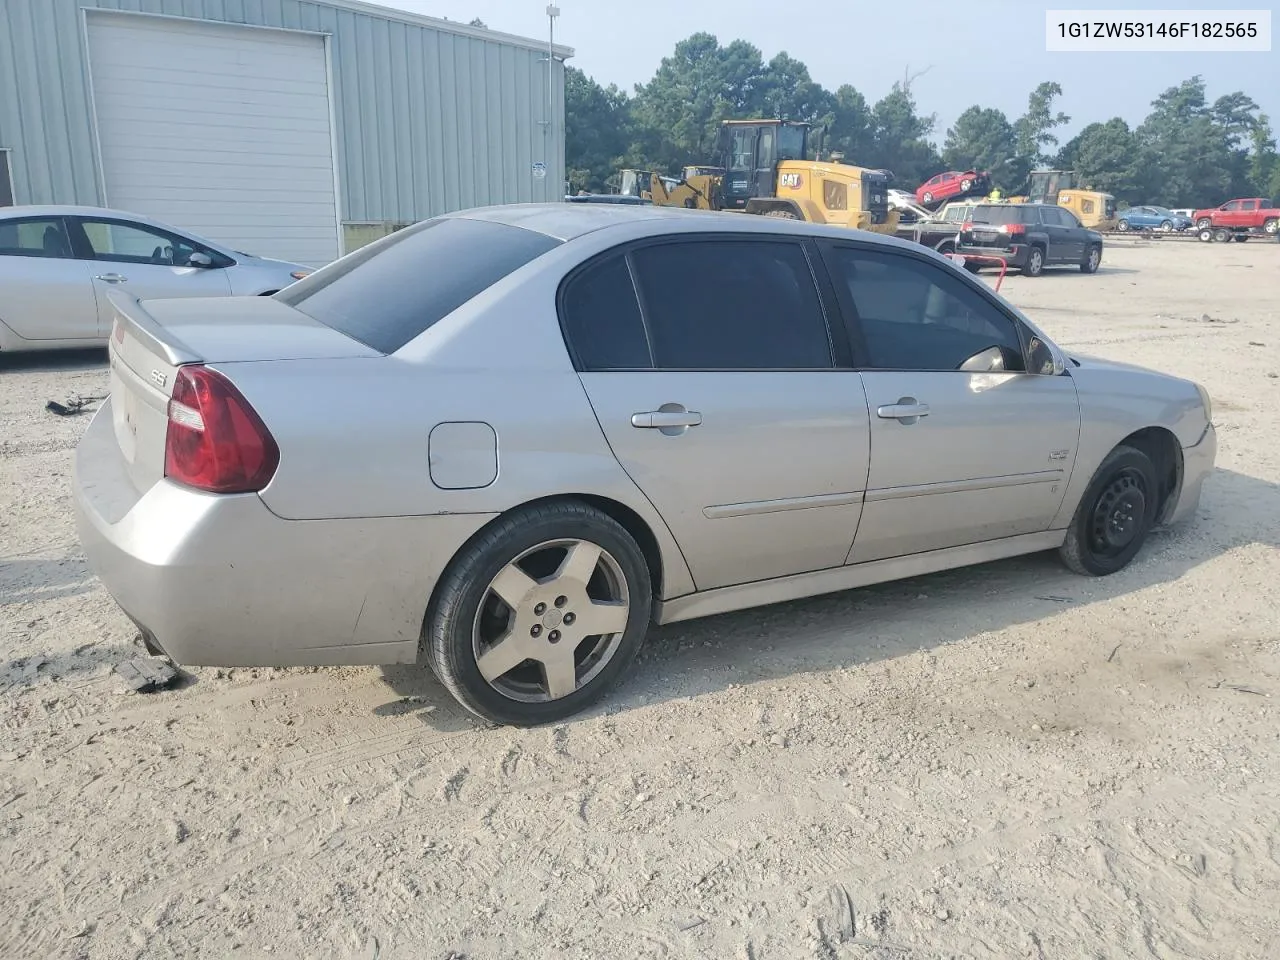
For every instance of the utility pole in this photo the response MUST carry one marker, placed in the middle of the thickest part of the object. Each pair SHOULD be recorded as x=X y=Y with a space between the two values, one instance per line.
x=553 y=11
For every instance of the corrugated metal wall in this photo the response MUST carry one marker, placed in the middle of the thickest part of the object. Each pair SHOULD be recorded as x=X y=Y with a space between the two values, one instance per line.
x=428 y=120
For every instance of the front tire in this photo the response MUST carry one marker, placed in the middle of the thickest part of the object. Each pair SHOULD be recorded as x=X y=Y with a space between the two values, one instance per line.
x=966 y=185
x=538 y=617
x=1114 y=516
x=1092 y=259
x=1166 y=226
x=1204 y=223
x=1123 y=226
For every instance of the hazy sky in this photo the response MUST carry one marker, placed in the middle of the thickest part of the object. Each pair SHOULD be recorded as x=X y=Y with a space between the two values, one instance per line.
x=989 y=52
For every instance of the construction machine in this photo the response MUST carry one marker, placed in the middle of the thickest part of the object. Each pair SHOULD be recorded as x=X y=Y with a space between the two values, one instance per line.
x=763 y=171
x=1066 y=188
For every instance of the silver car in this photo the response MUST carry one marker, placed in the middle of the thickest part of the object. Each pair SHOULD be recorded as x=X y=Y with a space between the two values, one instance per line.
x=57 y=265
x=505 y=441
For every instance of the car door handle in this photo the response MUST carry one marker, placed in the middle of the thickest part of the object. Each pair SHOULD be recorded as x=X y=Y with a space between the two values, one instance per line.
x=111 y=278
x=658 y=419
x=906 y=410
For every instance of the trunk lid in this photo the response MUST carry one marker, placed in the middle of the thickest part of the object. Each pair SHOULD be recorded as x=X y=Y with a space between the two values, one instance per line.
x=150 y=341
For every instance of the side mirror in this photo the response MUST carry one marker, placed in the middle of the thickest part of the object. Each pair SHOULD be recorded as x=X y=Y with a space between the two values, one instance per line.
x=198 y=259
x=1044 y=359
x=990 y=360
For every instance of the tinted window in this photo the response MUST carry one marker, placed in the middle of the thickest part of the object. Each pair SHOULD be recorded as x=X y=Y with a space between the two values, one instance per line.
x=998 y=215
x=601 y=318
x=1068 y=218
x=6 y=180
x=388 y=292
x=34 y=238
x=916 y=316
x=732 y=305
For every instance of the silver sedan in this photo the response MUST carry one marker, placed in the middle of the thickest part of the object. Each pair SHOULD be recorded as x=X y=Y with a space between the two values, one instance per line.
x=57 y=265
x=505 y=441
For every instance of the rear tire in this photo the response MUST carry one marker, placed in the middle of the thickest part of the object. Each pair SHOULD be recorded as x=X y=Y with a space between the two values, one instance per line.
x=781 y=215
x=517 y=582
x=1114 y=516
x=1271 y=227
x=1035 y=263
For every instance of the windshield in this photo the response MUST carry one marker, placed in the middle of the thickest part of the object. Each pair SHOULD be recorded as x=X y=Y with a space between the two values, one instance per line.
x=996 y=215
x=791 y=143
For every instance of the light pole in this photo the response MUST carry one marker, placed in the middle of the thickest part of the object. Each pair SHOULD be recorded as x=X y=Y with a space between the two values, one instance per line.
x=552 y=12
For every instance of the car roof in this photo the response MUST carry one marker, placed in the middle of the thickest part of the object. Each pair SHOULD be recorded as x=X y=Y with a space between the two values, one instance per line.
x=567 y=221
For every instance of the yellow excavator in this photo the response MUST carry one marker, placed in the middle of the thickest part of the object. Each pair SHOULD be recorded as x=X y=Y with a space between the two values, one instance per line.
x=763 y=171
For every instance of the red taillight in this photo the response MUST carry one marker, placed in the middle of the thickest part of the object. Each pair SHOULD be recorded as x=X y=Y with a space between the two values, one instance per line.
x=215 y=441
x=1014 y=228
x=967 y=225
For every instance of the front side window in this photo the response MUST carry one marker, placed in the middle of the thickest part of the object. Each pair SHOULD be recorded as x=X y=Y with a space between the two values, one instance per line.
x=117 y=242
x=731 y=305
x=914 y=315
x=1233 y=206
x=790 y=143
x=35 y=237
x=835 y=195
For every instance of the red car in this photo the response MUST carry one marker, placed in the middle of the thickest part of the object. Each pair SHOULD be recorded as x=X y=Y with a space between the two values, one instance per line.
x=950 y=185
x=1252 y=213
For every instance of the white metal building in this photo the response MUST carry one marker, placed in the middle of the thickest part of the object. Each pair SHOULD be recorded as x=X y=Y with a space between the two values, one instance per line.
x=296 y=129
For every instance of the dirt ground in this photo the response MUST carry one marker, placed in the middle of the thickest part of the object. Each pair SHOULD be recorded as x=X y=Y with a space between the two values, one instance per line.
x=1006 y=761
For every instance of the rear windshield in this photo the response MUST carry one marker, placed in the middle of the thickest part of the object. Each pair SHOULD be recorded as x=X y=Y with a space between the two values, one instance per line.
x=999 y=215
x=388 y=292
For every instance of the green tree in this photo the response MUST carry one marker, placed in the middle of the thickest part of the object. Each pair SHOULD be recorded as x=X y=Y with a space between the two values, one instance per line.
x=1033 y=131
x=1185 y=154
x=679 y=111
x=1263 y=162
x=786 y=91
x=851 y=126
x=901 y=135
x=1104 y=155
x=982 y=139
x=597 y=130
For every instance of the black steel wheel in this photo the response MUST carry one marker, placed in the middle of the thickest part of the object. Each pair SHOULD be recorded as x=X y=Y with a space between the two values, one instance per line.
x=1114 y=516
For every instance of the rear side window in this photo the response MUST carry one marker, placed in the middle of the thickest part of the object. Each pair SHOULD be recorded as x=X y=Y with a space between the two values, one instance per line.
x=387 y=293
x=601 y=318
x=732 y=305
x=34 y=238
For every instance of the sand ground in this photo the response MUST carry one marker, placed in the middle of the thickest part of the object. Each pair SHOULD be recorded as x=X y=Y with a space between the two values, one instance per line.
x=1006 y=761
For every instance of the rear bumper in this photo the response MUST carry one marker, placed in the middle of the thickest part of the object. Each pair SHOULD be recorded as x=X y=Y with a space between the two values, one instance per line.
x=223 y=581
x=1197 y=464
x=1015 y=256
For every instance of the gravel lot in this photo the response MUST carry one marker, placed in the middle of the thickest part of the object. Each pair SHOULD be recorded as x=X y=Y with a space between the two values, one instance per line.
x=1007 y=761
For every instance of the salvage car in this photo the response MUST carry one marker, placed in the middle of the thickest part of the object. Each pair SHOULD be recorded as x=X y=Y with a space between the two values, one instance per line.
x=503 y=442
x=1152 y=218
x=952 y=184
x=57 y=265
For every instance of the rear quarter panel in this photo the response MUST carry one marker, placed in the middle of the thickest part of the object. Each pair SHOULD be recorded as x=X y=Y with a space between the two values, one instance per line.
x=1117 y=400
x=354 y=433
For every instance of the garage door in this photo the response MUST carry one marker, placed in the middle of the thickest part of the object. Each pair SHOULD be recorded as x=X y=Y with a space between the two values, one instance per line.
x=220 y=129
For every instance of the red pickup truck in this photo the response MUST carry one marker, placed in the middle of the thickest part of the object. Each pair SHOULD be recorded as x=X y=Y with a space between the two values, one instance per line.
x=1237 y=219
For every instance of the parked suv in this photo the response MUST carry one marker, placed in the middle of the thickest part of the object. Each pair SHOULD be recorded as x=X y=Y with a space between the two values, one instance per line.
x=1030 y=236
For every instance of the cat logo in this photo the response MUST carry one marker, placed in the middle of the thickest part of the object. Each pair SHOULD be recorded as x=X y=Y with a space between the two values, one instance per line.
x=791 y=181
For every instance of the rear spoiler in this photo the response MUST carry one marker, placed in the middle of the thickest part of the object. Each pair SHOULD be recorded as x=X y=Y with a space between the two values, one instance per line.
x=134 y=318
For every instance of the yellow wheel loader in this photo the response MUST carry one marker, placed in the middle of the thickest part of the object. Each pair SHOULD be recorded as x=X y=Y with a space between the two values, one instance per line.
x=1066 y=188
x=763 y=171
